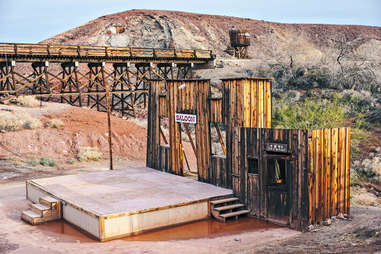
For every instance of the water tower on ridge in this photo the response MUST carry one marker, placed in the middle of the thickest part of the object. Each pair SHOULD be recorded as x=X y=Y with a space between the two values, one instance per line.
x=239 y=41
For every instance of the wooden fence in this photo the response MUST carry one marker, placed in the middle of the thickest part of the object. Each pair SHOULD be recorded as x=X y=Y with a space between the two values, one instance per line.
x=329 y=173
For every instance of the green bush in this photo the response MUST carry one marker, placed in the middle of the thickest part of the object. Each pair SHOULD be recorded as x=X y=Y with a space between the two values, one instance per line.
x=47 y=162
x=358 y=136
x=71 y=161
x=34 y=163
x=43 y=162
x=309 y=114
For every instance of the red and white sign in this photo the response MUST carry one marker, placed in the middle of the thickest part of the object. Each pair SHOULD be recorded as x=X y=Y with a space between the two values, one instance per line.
x=185 y=118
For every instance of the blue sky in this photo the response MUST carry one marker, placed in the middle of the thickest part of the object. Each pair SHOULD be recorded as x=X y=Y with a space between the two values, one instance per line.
x=36 y=20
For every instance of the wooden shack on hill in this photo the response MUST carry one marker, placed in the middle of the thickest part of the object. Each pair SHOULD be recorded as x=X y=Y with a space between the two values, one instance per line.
x=286 y=176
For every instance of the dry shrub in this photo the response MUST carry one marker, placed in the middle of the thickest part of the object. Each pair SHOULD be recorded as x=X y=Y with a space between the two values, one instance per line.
x=55 y=123
x=89 y=154
x=25 y=101
x=360 y=197
x=18 y=121
x=139 y=121
x=369 y=169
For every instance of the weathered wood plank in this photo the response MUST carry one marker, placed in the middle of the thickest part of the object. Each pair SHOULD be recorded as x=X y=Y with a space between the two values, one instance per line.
x=347 y=168
x=153 y=140
x=246 y=102
x=326 y=172
x=268 y=100
x=310 y=182
x=174 y=128
x=320 y=174
x=260 y=104
x=336 y=163
x=316 y=175
x=254 y=104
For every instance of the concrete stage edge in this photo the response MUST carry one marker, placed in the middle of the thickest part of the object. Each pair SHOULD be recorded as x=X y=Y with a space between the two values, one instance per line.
x=113 y=204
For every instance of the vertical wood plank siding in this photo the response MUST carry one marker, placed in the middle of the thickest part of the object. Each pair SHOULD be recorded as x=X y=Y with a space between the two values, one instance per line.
x=329 y=173
x=153 y=122
x=179 y=96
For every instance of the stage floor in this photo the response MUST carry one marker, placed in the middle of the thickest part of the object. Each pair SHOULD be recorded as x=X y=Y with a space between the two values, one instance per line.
x=112 y=204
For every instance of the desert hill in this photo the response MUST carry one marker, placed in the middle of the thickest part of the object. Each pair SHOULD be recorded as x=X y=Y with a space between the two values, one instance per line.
x=270 y=41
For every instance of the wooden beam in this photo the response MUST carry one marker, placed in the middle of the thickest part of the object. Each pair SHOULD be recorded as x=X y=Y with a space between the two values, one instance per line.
x=108 y=119
x=220 y=137
x=186 y=159
x=190 y=138
x=163 y=136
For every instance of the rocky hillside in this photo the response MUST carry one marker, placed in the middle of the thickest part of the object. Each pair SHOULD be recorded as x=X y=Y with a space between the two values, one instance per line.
x=270 y=41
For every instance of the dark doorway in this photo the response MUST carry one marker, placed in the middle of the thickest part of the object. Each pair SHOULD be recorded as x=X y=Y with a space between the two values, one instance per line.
x=277 y=186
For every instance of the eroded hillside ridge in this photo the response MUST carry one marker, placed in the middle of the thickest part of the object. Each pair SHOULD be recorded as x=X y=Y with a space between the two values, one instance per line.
x=270 y=41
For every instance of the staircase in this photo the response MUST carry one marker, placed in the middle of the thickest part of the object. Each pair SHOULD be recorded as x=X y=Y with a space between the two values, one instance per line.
x=224 y=209
x=48 y=209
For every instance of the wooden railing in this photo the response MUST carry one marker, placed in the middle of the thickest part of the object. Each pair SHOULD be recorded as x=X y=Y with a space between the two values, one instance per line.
x=16 y=49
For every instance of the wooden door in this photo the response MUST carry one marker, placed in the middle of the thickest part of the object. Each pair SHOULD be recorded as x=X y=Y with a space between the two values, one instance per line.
x=277 y=188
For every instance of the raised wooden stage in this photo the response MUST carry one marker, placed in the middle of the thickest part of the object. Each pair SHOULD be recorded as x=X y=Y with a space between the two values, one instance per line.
x=112 y=204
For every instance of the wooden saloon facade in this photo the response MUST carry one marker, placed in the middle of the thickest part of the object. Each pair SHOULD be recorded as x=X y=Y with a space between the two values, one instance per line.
x=286 y=176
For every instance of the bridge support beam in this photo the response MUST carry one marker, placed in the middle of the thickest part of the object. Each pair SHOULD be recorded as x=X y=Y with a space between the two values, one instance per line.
x=175 y=71
x=6 y=76
x=122 y=102
x=96 y=86
x=144 y=73
x=40 y=78
x=184 y=71
x=70 y=84
x=80 y=84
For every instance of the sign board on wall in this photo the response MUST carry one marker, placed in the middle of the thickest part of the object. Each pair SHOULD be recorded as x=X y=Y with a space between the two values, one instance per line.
x=277 y=147
x=185 y=118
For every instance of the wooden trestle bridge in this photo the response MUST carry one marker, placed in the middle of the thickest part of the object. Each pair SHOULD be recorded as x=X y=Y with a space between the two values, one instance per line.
x=83 y=75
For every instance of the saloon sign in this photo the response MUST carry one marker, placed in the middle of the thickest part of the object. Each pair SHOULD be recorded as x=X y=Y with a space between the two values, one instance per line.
x=185 y=118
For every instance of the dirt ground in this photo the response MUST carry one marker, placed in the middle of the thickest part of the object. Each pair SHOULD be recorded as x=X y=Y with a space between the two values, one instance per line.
x=362 y=234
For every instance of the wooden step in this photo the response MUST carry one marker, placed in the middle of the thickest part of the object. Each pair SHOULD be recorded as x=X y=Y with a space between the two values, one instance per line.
x=228 y=207
x=31 y=217
x=49 y=201
x=221 y=201
x=232 y=214
x=41 y=209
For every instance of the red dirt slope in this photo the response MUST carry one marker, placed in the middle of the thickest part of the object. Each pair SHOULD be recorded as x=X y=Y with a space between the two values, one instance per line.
x=82 y=127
